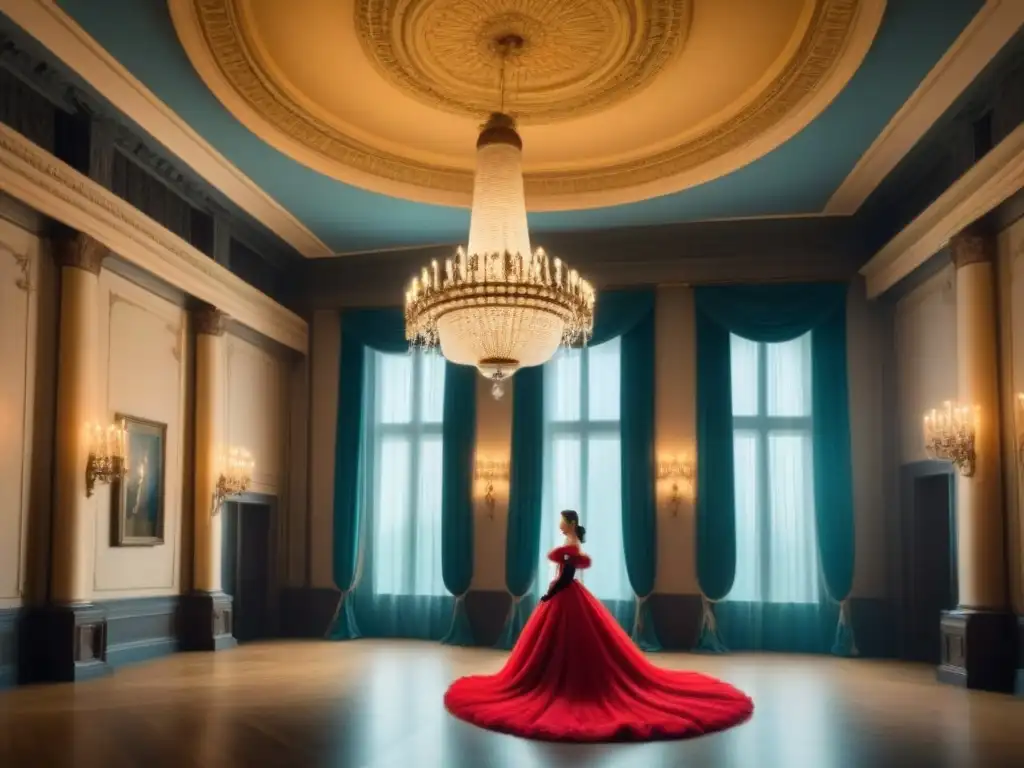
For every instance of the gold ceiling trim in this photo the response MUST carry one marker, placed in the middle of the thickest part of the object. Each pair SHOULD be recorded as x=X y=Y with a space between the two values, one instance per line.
x=229 y=48
x=576 y=56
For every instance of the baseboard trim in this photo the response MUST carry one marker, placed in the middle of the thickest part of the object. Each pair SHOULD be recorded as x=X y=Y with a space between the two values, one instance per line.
x=9 y=647
x=144 y=650
x=141 y=629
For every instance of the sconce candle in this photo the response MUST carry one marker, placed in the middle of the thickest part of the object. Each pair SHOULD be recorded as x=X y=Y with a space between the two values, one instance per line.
x=676 y=470
x=489 y=471
x=235 y=478
x=106 y=454
x=949 y=434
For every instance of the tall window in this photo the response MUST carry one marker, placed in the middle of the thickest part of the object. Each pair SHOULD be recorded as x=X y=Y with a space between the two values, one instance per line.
x=404 y=405
x=582 y=463
x=777 y=554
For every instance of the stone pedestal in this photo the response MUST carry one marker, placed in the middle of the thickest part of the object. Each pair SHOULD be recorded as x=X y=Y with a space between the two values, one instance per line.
x=206 y=622
x=63 y=644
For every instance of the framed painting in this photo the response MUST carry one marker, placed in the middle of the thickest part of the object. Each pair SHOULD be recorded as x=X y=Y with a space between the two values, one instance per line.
x=137 y=499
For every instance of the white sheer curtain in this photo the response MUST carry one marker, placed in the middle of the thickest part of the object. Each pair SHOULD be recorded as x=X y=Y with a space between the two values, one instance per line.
x=402 y=473
x=582 y=464
x=777 y=552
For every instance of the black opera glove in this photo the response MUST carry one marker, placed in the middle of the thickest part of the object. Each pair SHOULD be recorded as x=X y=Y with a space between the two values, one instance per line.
x=565 y=578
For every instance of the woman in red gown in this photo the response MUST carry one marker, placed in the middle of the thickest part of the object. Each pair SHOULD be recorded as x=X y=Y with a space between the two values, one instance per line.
x=575 y=675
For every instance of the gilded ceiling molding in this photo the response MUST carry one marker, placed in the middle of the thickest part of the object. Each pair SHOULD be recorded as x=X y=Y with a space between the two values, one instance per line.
x=581 y=56
x=988 y=183
x=215 y=36
x=54 y=188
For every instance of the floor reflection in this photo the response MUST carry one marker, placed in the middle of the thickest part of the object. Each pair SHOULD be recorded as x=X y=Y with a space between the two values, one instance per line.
x=378 y=705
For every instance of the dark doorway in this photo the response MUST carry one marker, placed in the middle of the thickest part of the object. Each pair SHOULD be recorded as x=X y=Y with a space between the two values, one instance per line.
x=930 y=562
x=248 y=565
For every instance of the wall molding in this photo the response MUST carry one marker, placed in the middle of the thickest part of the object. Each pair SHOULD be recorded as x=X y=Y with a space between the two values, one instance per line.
x=993 y=26
x=140 y=629
x=807 y=249
x=988 y=183
x=52 y=187
x=48 y=24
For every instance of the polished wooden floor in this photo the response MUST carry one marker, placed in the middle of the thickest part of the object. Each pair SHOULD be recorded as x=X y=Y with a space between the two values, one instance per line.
x=373 y=704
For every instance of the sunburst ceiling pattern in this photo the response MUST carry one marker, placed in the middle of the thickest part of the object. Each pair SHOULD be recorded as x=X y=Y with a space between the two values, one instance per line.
x=359 y=116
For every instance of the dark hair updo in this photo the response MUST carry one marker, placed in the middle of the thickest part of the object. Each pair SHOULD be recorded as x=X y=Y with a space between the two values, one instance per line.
x=572 y=518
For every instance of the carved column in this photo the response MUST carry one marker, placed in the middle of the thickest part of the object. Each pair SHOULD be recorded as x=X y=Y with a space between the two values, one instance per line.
x=67 y=639
x=207 y=612
x=978 y=637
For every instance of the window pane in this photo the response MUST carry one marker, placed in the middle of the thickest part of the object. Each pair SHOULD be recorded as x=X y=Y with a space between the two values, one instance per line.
x=601 y=514
x=563 y=490
x=603 y=381
x=744 y=358
x=428 y=578
x=431 y=381
x=564 y=385
x=788 y=373
x=391 y=508
x=747 y=583
x=394 y=388
x=792 y=548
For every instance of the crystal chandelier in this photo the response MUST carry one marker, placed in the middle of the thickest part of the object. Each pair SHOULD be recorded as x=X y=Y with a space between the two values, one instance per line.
x=498 y=305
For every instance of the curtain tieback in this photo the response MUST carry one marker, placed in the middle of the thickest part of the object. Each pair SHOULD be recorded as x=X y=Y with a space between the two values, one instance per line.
x=707 y=613
x=638 y=617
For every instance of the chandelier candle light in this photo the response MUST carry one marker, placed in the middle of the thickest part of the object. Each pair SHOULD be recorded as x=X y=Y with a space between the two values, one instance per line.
x=498 y=305
x=949 y=435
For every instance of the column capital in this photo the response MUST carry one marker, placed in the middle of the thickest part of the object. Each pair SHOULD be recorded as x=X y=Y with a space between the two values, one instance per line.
x=209 y=320
x=971 y=248
x=79 y=250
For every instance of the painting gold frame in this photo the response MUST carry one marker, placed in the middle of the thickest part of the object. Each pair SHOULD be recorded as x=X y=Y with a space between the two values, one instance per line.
x=124 y=504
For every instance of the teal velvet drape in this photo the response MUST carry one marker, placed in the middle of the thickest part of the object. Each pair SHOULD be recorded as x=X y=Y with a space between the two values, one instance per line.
x=526 y=478
x=379 y=329
x=774 y=314
x=358 y=612
x=629 y=314
x=459 y=443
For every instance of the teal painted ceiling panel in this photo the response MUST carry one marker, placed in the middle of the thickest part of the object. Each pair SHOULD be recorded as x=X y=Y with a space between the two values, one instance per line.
x=796 y=178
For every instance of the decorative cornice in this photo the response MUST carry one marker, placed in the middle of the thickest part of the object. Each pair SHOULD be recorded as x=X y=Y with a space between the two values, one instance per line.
x=47 y=23
x=751 y=251
x=994 y=25
x=79 y=251
x=969 y=248
x=209 y=320
x=837 y=38
x=991 y=180
x=32 y=175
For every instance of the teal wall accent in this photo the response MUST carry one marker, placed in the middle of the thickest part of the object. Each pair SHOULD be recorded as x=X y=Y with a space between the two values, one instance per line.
x=798 y=177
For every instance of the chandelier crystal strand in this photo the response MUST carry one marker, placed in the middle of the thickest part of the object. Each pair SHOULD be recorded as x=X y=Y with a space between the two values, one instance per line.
x=500 y=306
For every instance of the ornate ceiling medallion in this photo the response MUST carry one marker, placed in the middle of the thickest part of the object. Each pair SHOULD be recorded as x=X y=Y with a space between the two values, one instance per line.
x=578 y=56
x=580 y=59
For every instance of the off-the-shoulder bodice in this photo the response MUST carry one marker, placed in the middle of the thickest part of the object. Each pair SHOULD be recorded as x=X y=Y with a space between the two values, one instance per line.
x=570 y=555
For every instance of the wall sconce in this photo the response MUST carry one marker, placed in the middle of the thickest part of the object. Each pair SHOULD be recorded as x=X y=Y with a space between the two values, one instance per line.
x=678 y=471
x=949 y=435
x=488 y=471
x=235 y=478
x=106 y=461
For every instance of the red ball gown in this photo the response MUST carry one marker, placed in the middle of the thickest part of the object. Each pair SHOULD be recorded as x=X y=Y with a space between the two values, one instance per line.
x=576 y=676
